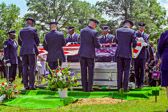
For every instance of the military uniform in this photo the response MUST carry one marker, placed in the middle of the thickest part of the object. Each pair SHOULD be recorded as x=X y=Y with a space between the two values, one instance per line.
x=70 y=39
x=53 y=43
x=124 y=38
x=163 y=53
x=89 y=41
x=108 y=38
x=140 y=61
x=10 y=54
x=29 y=40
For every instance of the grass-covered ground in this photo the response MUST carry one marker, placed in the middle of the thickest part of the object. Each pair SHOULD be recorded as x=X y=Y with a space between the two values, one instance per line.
x=129 y=106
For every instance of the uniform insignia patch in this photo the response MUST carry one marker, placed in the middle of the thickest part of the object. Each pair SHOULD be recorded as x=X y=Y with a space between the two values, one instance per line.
x=5 y=46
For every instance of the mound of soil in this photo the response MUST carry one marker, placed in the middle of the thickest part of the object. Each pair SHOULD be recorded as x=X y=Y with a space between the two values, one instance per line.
x=105 y=100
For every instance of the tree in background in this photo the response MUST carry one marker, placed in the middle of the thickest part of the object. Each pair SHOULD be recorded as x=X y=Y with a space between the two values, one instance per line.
x=147 y=11
x=76 y=13
x=66 y=12
x=9 y=20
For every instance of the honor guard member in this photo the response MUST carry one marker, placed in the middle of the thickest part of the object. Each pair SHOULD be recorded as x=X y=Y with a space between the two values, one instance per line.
x=163 y=53
x=72 y=38
x=10 y=54
x=53 y=43
x=29 y=40
x=106 y=38
x=140 y=61
x=125 y=38
x=89 y=41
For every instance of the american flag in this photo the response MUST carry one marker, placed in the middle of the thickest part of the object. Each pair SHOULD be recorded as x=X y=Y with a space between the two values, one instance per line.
x=138 y=48
x=70 y=50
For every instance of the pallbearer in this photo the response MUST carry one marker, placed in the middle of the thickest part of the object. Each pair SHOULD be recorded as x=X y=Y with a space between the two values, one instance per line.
x=140 y=61
x=29 y=40
x=89 y=41
x=10 y=54
x=53 y=43
x=72 y=38
x=125 y=38
x=106 y=38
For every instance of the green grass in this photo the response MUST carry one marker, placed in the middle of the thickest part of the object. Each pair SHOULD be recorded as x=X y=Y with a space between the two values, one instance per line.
x=129 y=106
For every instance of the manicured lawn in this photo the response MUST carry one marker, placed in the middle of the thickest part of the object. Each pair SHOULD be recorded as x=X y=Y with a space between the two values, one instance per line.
x=129 y=106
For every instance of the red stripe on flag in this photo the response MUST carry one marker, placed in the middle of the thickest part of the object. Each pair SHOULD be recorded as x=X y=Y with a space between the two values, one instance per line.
x=41 y=51
x=135 y=51
x=69 y=49
x=65 y=52
x=72 y=46
x=108 y=44
x=139 y=44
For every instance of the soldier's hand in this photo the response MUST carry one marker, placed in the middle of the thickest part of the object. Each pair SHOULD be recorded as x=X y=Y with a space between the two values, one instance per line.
x=68 y=44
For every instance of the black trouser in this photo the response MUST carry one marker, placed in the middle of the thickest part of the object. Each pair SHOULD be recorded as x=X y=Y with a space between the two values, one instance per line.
x=73 y=58
x=20 y=71
x=104 y=59
x=123 y=66
x=3 y=72
x=11 y=73
x=29 y=66
x=139 y=66
x=87 y=81
x=54 y=65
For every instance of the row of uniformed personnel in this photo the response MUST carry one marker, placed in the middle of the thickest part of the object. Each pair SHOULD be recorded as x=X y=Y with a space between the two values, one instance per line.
x=54 y=41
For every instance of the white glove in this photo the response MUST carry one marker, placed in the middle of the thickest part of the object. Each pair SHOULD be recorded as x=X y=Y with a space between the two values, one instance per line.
x=8 y=64
x=68 y=44
x=140 y=39
x=144 y=44
x=39 y=64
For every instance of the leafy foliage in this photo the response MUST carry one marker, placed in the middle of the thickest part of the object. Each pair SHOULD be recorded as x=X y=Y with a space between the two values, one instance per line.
x=9 y=90
x=9 y=20
x=62 y=78
x=147 y=11
x=66 y=12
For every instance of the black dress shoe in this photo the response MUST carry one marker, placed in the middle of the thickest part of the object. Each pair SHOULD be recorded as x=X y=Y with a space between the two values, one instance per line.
x=92 y=90
x=26 y=88
x=127 y=91
x=32 y=88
